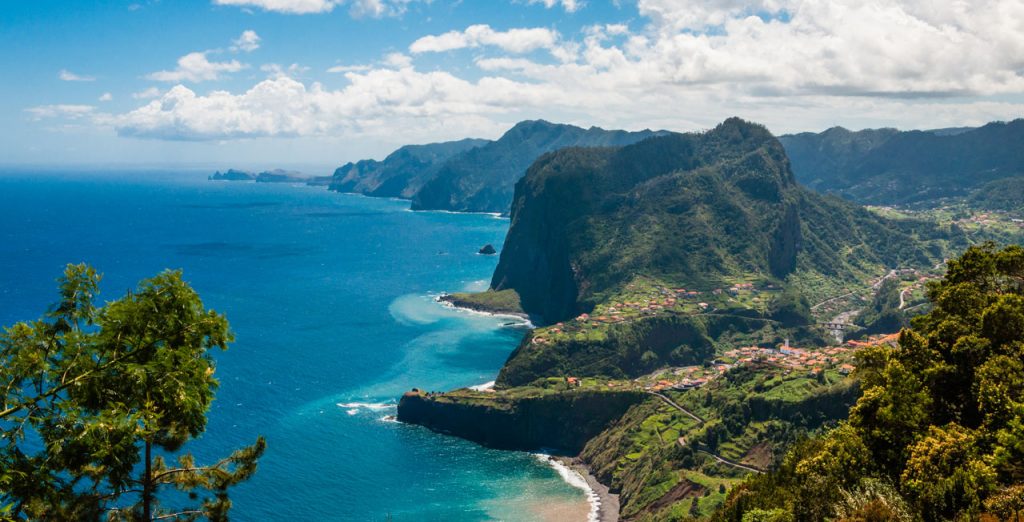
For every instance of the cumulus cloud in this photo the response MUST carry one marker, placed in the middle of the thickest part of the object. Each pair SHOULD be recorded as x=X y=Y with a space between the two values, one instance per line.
x=105 y=97
x=844 y=47
x=69 y=76
x=386 y=98
x=196 y=67
x=513 y=40
x=792 y=64
x=248 y=42
x=357 y=8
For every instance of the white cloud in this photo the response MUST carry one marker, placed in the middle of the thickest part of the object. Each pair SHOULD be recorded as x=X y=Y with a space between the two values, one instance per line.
x=105 y=97
x=72 y=112
x=151 y=92
x=69 y=76
x=357 y=8
x=799 y=65
x=513 y=40
x=248 y=42
x=397 y=60
x=196 y=67
x=845 y=47
x=383 y=99
x=570 y=6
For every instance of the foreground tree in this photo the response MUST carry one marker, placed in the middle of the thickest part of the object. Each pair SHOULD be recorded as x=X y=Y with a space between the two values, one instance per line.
x=94 y=398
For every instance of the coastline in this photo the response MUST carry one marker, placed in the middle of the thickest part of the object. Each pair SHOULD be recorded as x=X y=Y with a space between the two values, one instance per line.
x=496 y=215
x=524 y=319
x=604 y=505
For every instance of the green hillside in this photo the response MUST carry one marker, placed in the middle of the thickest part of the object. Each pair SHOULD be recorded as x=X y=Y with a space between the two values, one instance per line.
x=697 y=211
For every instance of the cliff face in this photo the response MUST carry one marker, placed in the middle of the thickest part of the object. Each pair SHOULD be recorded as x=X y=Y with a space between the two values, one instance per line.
x=402 y=173
x=563 y=421
x=696 y=210
x=886 y=166
x=483 y=179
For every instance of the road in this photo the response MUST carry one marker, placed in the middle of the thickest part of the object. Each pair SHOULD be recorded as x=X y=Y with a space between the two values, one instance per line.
x=682 y=442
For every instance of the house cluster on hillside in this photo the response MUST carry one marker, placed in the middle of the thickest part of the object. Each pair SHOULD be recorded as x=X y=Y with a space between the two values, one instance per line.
x=681 y=379
x=797 y=359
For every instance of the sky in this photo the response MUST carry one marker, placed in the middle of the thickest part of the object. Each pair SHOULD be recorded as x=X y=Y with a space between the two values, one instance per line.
x=316 y=83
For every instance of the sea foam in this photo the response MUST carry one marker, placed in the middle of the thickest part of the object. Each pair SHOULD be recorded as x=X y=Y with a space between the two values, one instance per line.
x=574 y=479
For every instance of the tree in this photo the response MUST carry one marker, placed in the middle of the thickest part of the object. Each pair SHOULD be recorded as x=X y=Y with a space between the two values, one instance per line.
x=790 y=308
x=89 y=393
x=944 y=475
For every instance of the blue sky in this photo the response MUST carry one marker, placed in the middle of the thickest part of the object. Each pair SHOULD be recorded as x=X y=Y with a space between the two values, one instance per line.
x=314 y=83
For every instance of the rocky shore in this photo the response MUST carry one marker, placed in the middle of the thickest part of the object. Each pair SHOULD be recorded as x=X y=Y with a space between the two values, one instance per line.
x=608 y=502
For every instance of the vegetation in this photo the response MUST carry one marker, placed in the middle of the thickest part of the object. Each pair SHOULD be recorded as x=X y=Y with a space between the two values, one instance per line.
x=888 y=167
x=1004 y=194
x=633 y=348
x=883 y=314
x=97 y=399
x=698 y=211
x=659 y=458
x=504 y=301
x=938 y=433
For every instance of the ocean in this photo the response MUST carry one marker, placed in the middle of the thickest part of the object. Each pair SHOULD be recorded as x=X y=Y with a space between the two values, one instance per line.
x=331 y=299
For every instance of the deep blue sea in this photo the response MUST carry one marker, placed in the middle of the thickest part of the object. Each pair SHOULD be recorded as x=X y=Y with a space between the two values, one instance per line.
x=330 y=297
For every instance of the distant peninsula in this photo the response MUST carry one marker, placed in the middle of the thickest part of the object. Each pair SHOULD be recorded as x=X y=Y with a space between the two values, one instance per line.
x=270 y=176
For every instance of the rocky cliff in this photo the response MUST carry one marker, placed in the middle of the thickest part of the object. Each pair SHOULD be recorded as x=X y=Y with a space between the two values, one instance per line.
x=563 y=420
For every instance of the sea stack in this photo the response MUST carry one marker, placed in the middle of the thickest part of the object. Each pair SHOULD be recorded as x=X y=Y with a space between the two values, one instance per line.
x=487 y=250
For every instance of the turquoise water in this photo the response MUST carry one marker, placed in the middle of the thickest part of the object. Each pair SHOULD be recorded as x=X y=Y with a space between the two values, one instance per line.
x=330 y=298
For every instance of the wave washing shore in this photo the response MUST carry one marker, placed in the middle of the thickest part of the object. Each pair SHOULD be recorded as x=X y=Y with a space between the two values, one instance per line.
x=522 y=320
x=603 y=505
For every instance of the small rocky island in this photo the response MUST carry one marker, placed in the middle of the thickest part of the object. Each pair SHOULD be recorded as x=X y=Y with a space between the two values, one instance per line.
x=269 y=176
x=487 y=250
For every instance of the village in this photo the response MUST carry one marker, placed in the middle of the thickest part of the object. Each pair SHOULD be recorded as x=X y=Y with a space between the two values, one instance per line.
x=788 y=359
x=645 y=298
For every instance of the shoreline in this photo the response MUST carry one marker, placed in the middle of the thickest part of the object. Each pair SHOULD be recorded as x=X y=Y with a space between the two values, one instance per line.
x=604 y=505
x=496 y=215
x=523 y=318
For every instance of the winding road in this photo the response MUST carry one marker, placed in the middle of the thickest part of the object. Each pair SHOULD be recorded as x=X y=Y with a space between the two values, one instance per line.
x=682 y=441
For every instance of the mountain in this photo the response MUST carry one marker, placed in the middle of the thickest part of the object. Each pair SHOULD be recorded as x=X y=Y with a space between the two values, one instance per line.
x=887 y=166
x=672 y=275
x=700 y=211
x=402 y=173
x=483 y=179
